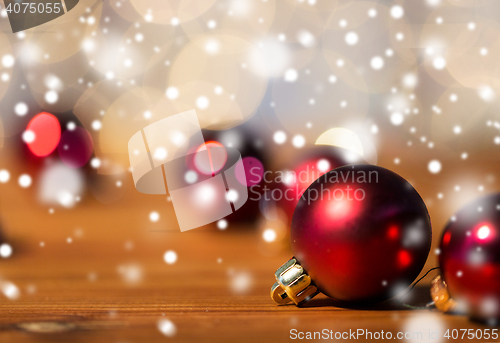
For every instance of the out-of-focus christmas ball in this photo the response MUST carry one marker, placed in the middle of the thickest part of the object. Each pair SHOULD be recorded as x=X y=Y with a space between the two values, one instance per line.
x=255 y=160
x=470 y=258
x=362 y=233
x=313 y=164
x=42 y=134
x=75 y=147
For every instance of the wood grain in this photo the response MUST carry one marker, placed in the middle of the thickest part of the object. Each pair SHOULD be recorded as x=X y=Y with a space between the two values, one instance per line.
x=195 y=294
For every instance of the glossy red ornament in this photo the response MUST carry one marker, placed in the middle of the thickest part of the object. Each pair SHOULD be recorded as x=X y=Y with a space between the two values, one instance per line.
x=470 y=258
x=362 y=233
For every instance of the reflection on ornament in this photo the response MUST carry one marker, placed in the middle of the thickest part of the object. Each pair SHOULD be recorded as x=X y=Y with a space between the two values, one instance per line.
x=312 y=165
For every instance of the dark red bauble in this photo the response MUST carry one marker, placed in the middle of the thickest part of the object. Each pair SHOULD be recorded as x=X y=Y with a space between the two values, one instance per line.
x=255 y=160
x=470 y=257
x=362 y=233
x=75 y=147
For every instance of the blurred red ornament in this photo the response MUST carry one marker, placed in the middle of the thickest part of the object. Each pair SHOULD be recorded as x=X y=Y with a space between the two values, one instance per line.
x=217 y=157
x=361 y=233
x=254 y=158
x=75 y=147
x=45 y=133
x=250 y=172
x=470 y=258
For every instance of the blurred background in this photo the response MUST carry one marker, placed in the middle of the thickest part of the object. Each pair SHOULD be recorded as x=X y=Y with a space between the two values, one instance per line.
x=408 y=85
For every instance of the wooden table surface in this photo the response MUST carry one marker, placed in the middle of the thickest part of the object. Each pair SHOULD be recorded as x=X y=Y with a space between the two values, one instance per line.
x=81 y=297
x=96 y=274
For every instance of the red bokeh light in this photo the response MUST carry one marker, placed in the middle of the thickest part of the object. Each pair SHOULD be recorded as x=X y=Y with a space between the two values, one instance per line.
x=217 y=157
x=393 y=232
x=404 y=259
x=47 y=132
x=447 y=238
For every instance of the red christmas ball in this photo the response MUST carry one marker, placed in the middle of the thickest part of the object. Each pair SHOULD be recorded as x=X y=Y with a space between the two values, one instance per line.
x=254 y=158
x=46 y=132
x=470 y=258
x=362 y=233
x=75 y=147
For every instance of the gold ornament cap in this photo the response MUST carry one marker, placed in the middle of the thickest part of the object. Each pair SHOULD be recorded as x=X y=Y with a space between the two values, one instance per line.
x=293 y=284
x=441 y=296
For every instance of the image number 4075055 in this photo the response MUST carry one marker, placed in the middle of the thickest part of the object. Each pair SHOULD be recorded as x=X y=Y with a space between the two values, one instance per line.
x=25 y=14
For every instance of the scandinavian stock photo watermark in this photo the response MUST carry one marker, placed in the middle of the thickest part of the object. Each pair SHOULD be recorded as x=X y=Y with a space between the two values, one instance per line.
x=349 y=185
